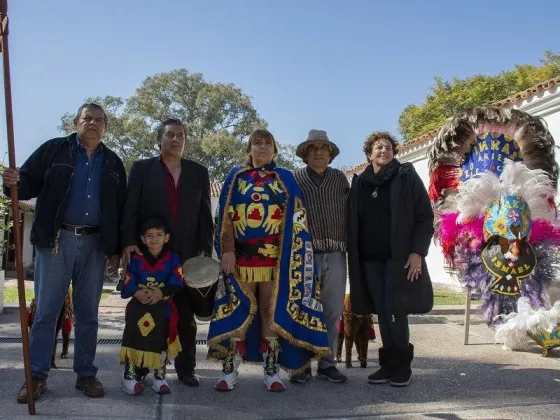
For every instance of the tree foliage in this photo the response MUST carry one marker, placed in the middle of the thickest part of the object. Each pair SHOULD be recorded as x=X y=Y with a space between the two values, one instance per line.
x=447 y=98
x=219 y=119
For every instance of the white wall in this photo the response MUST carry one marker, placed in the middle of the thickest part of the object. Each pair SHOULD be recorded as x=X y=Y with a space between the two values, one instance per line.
x=27 y=252
x=214 y=201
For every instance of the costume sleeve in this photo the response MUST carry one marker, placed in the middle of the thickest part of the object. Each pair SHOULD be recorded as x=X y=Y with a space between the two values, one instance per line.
x=423 y=218
x=175 y=281
x=131 y=279
x=130 y=208
x=31 y=175
x=228 y=242
x=205 y=219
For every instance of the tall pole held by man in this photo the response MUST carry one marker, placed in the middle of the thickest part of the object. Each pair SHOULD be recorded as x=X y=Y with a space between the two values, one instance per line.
x=4 y=49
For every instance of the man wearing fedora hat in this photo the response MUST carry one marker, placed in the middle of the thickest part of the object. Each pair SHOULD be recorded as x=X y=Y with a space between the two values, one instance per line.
x=326 y=191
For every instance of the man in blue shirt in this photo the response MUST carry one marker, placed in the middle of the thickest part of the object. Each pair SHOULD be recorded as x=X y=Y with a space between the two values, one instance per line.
x=80 y=186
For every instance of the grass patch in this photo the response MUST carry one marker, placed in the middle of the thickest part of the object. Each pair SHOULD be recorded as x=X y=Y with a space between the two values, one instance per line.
x=449 y=297
x=11 y=294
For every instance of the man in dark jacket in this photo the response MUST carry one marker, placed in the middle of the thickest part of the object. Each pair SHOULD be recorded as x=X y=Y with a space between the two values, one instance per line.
x=80 y=187
x=176 y=190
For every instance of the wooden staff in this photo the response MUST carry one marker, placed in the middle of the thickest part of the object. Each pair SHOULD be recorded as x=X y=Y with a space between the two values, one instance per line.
x=4 y=49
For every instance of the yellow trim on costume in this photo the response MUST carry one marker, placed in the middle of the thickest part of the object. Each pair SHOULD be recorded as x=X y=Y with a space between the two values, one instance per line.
x=174 y=348
x=140 y=358
x=254 y=274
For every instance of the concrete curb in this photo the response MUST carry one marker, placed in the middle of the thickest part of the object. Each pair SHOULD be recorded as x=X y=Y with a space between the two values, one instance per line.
x=452 y=309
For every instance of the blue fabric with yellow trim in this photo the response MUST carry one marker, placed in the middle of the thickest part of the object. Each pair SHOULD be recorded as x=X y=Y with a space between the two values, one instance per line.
x=296 y=299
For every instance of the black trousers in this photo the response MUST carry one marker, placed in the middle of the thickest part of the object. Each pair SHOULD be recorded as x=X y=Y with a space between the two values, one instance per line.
x=185 y=362
x=393 y=328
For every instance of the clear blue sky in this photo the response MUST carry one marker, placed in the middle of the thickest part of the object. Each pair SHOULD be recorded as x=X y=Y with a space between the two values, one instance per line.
x=349 y=67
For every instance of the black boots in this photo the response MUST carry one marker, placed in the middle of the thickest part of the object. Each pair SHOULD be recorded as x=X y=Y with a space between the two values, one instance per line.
x=395 y=367
x=386 y=362
x=402 y=373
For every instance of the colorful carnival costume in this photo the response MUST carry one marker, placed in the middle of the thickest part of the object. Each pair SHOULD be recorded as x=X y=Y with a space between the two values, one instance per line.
x=493 y=178
x=150 y=334
x=272 y=244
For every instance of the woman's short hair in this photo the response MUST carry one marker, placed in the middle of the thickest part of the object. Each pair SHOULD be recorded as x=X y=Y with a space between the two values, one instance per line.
x=375 y=137
x=260 y=134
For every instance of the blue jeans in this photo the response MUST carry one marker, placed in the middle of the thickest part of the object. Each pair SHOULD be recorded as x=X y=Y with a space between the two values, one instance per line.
x=80 y=259
x=393 y=328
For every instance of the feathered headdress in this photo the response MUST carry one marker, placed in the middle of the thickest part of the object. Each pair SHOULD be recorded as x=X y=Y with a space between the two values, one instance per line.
x=477 y=140
x=493 y=178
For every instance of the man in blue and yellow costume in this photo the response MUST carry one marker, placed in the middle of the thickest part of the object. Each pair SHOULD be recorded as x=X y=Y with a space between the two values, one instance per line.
x=268 y=303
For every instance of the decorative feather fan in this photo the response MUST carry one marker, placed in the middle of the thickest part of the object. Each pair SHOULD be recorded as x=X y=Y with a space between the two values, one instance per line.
x=493 y=177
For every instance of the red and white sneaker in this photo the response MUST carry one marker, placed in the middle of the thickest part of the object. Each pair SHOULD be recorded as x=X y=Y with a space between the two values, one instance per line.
x=227 y=382
x=131 y=386
x=274 y=383
x=161 y=387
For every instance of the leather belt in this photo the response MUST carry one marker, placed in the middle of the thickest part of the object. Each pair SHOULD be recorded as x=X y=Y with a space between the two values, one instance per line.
x=82 y=230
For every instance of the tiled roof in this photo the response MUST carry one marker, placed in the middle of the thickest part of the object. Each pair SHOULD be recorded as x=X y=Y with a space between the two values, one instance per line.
x=526 y=94
x=511 y=101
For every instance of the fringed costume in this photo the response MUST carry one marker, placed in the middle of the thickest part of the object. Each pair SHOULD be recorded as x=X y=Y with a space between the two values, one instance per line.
x=263 y=220
x=64 y=323
x=354 y=329
x=493 y=179
x=150 y=336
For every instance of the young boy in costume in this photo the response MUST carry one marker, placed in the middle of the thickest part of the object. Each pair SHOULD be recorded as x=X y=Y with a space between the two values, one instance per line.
x=150 y=333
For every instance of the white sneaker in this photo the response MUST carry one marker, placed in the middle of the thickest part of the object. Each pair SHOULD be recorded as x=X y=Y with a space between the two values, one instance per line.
x=161 y=387
x=274 y=383
x=227 y=382
x=131 y=386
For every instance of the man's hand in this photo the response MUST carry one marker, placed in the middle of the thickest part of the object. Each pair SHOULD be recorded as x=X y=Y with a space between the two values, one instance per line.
x=10 y=177
x=126 y=254
x=228 y=262
x=142 y=296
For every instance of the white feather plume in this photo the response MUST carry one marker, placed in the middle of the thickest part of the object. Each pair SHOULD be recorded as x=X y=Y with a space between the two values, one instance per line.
x=476 y=194
x=534 y=185
x=512 y=334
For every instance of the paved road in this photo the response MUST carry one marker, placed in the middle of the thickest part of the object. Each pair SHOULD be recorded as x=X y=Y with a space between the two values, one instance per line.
x=451 y=381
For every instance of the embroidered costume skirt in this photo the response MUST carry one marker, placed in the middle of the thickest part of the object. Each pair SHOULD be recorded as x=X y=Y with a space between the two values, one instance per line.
x=145 y=334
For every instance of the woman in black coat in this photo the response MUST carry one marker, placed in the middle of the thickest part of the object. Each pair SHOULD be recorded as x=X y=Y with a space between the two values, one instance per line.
x=389 y=233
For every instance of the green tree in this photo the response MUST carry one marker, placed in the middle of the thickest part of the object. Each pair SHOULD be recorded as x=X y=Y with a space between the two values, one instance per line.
x=219 y=118
x=5 y=222
x=447 y=98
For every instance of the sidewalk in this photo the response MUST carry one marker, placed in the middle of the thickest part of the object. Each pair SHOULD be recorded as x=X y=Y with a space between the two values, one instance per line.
x=451 y=381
